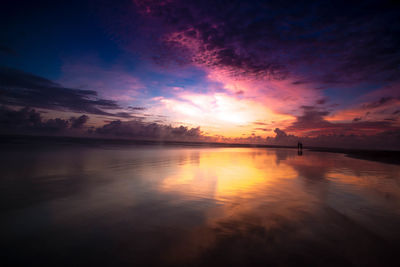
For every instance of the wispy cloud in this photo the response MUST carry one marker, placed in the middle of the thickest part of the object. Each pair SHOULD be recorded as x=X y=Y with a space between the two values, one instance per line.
x=111 y=82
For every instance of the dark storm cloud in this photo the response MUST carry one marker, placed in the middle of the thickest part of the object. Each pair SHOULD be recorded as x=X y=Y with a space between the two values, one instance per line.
x=140 y=130
x=24 y=89
x=325 y=41
x=29 y=121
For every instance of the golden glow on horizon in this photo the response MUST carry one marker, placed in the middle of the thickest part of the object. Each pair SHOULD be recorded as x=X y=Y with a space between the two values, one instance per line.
x=222 y=114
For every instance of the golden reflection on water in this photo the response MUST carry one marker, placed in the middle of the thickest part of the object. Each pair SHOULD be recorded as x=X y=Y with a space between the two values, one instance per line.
x=275 y=198
x=201 y=206
x=228 y=173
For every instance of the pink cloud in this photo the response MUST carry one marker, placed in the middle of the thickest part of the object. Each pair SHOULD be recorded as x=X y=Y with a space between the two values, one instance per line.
x=379 y=105
x=280 y=95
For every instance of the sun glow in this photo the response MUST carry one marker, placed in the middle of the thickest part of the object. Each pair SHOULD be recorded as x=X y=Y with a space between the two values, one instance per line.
x=219 y=113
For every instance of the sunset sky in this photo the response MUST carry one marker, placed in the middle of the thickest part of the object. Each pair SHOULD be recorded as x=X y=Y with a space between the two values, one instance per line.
x=273 y=72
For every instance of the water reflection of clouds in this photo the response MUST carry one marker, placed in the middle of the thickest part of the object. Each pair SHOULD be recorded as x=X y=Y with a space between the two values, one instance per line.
x=271 y=197
x=227 y=173
x=204 y=205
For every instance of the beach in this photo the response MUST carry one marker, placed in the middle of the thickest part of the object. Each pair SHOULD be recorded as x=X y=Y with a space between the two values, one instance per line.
x=171 y=205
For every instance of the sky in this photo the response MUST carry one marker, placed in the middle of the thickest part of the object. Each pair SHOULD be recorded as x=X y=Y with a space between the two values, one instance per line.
x=326 y=73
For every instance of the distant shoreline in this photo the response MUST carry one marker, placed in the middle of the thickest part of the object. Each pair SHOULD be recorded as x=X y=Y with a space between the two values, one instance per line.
x=384 y=156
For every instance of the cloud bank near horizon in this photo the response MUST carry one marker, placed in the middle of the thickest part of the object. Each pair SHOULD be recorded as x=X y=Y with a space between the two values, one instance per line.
x=29 y=121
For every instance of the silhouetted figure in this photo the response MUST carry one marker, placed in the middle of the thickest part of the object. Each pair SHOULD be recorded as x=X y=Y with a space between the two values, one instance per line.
x=299 y=148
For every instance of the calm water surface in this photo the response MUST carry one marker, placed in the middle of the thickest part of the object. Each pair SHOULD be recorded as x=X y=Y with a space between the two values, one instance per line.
x=174 y=206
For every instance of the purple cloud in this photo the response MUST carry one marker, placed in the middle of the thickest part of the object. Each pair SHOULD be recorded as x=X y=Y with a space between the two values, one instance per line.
x=275 y=39
x=29 y=121
x=153 y=131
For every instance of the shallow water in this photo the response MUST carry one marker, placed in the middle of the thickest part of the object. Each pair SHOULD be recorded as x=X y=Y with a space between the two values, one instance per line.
x=177 y=206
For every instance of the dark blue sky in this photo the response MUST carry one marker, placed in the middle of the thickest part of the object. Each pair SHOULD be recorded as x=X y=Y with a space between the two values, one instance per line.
x=42 y=33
